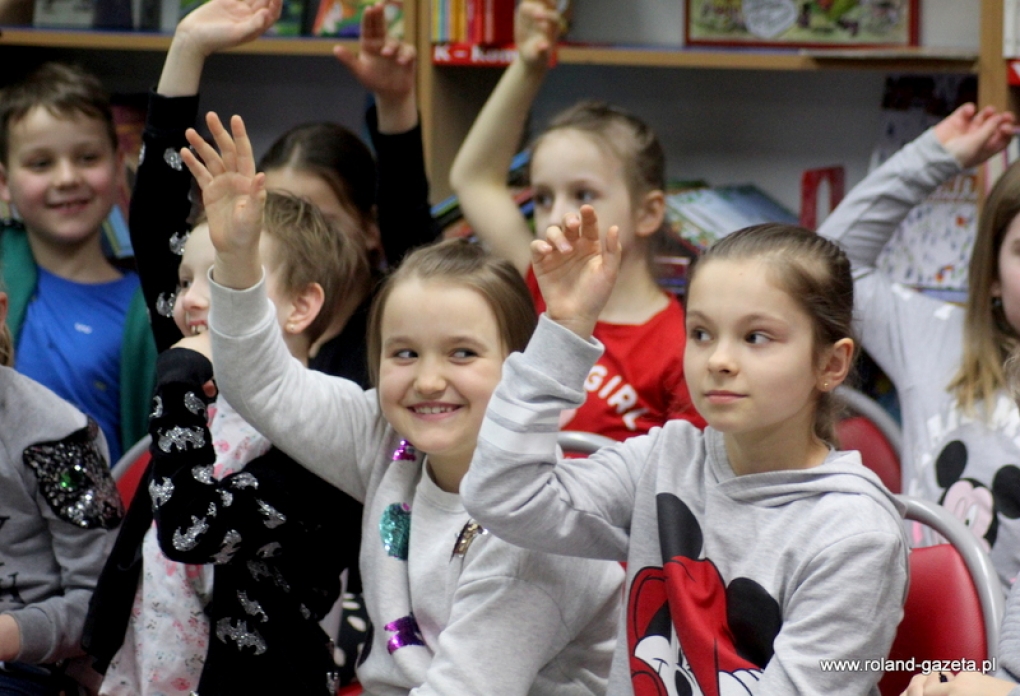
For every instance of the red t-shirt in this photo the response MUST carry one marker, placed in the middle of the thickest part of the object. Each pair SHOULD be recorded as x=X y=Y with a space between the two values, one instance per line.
x=638 y=383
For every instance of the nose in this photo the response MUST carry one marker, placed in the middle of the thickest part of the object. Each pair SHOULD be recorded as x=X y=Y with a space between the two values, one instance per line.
x=65 y=172
x=721 y=360
x=196 y=296
x=429 y=380
x=561 y=207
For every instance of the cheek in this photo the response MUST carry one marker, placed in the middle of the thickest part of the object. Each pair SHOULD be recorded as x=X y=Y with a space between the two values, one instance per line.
x=179 y=315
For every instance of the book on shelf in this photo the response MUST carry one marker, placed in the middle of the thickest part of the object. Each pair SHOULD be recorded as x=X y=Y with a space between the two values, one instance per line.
x=703 y=215
x=342 y=18
x=477 y=32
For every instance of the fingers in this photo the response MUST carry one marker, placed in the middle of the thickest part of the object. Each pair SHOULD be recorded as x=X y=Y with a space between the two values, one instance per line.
x=345 y=56
x=589 y=224
x=195 y=166
x=242 y=144
x=224 y=143
x=373 y=22
x=557 y=237
x=539 y=250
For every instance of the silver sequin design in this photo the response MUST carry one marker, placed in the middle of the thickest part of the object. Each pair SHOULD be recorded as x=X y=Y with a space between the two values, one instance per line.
x=332 y=682
x=180 y=438
x=305 y=611
x=226 y=497
x=74 y=478
x=203 y=474
x=260 y=571
x=141 y=154
x=211 y=512
x=186 y=540
x=194 y=404
x=177 y=242
x=274 y=518
x=173 y=158
x=165 y=304
x=244 y=480
x=226 y=630
x=157 y=407
x=160 y=492
x=269 y=550
x=231 y=543
x=252 y=607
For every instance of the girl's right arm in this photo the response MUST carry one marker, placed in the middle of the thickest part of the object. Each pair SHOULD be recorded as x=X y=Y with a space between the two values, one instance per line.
x=479 y=172
x=158 y=217
x=516 y=486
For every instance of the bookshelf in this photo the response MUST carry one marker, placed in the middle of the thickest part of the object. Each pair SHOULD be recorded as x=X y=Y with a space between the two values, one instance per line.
x=288 y=71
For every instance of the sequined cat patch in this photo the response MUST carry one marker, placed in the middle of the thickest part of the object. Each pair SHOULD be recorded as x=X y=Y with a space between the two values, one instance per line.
x=75 y=480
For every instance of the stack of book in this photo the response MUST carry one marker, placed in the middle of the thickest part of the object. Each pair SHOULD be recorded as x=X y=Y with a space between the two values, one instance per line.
x=483 y=22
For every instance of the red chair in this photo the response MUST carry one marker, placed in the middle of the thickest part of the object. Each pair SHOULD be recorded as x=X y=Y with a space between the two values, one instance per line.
x=870 y=430
x=130 y=468
x=582 y=443
x=955 y=601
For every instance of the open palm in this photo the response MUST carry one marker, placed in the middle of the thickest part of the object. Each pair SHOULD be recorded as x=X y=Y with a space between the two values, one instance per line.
x=576 y=269
x=232 y=191
x=219 y=24
x=383 y=65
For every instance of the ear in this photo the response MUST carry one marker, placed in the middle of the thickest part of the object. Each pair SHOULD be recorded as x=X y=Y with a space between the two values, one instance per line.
x=3 y=307
x=650 y=213
x=995 y=289
x=303 y=308
x=5 y=190
x=835 y=365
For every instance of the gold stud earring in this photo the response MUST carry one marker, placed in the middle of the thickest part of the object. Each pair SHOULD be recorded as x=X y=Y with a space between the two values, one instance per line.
x=291 y=328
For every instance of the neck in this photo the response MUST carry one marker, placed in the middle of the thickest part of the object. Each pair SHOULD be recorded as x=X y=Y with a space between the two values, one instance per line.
x=340 y=318
x=447 y=472
x=82 y=263
x=636 y=297
x=791 y=445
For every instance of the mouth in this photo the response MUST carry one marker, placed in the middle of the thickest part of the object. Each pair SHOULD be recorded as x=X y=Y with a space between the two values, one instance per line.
x=197 y=328
x=719 y=396
x=69 y=206
x=433 y=409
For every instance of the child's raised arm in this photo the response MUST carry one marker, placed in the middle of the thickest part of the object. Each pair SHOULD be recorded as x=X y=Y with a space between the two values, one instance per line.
x=385 y=67
x=234 y=195
x=213 y=26
x=479 y=172
x=576 y=270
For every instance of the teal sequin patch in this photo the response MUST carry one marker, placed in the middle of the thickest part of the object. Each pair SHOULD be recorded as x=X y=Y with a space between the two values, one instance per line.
x=395 y=529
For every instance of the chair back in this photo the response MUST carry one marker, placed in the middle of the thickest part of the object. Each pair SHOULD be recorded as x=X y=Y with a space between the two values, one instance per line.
x=870 y=430
x=130 y=468
x=954 y=603
x=578 y=442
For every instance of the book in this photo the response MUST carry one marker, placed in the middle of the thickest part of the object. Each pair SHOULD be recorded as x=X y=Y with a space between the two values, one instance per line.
x=69 y=14
x=342 y=18
x=704 y=215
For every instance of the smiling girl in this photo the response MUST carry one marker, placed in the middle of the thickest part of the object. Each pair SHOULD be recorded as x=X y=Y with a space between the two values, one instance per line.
x=454 y=609
x=754 y=549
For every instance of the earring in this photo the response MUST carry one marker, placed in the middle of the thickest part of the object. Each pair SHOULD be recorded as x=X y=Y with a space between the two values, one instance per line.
x=996 y=303
x=291 y=328
x=825 y=386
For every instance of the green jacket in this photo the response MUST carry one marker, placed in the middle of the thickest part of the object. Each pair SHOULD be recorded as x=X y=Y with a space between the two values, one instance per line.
x=137 y=352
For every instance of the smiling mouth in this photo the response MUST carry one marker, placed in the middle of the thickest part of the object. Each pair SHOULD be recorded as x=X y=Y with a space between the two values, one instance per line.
x=197 y=329
x=433 y=410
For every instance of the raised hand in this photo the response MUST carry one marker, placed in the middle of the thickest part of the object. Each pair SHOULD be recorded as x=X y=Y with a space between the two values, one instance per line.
x=219 y=24
x=972 y=136
x=383 y=65
x=576 y=270
x=536 y=29
x=234 y=195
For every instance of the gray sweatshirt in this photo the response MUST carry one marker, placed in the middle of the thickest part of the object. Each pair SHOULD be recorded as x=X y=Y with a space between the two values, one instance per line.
x=733 y=582
x=1009 y=641
x=58 y=507
x=455 y=610
x=969 y=463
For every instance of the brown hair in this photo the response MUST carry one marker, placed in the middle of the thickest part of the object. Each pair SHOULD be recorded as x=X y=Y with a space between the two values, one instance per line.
x=308 y=249
x=338 y=157
x=63 y=90
x=460 y=262
x=988 y=337
x=815 y=273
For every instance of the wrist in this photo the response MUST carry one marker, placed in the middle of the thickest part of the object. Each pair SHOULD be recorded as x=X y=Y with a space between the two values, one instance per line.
x=582 y=327
x=237 y=270
x=10 y=638
x=396 y=114
x=182 y=70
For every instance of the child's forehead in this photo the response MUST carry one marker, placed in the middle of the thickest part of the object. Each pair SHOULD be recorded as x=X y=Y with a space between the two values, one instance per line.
x=435 y=302
x=42 y=124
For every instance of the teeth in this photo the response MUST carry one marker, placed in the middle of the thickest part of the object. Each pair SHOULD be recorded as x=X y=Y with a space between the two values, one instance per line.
x=198 y=329
x=428 y=410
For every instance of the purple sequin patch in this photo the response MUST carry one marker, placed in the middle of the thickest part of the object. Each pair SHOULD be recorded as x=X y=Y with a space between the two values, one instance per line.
x=405 y=632
x=405 y=452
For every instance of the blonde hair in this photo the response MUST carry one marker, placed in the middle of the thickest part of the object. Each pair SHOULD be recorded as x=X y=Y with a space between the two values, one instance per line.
x=815 y=273
x=6 y=346
x=309 y=249
x=463 y=263
x=988 y=339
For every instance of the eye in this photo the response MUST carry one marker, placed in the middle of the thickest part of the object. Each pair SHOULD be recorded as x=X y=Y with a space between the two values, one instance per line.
x=543 y=199
x=37 y=165
x=697 y=334
x=463 y=354
x=89 y=158
x=404 y=354
x=585 y=196
x=757 y=338
x=183 y=284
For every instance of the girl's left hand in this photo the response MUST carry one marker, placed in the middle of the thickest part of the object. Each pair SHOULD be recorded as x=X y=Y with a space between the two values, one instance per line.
x=383 y=65
x=576 y=270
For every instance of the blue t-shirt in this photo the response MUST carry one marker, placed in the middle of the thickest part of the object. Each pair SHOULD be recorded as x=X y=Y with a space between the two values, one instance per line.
x=71 y=341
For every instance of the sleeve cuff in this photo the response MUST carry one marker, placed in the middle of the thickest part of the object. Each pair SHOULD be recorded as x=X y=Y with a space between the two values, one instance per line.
x=183 y=365
x=561 y=354
x=171 y=112
x=36 y=629
x=239 y=313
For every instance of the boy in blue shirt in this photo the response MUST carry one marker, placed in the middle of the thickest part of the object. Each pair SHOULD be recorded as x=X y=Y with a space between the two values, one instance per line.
x=79 y=323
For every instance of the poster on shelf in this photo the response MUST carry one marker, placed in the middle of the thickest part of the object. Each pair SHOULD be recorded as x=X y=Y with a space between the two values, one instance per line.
x=802 y=23
x=342 y=18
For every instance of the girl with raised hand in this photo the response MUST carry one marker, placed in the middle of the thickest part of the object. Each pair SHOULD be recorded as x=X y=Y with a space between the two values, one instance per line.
x=454 y=609
x=755 y=550
x=959 y=419
x=595 y=154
